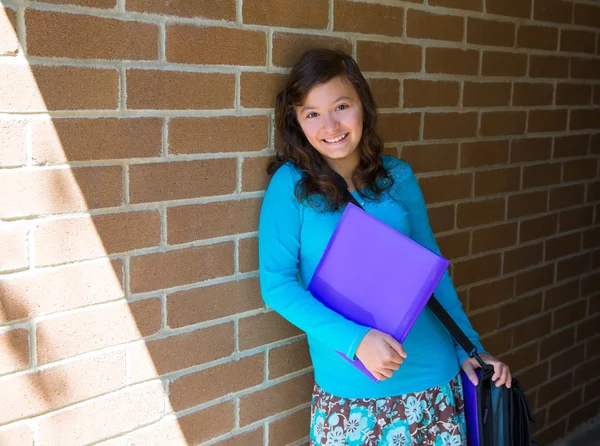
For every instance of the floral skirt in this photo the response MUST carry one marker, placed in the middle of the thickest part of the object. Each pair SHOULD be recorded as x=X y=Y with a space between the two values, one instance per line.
x=432 y=417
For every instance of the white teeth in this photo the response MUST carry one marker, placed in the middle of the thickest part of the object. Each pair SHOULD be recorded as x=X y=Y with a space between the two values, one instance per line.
x=337 y=139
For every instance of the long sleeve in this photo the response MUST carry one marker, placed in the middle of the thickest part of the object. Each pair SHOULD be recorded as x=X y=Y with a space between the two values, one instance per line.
x=422 y=233
x=279 y=247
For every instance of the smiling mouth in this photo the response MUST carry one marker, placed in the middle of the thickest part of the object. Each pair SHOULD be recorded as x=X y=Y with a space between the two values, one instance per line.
x=338 y=139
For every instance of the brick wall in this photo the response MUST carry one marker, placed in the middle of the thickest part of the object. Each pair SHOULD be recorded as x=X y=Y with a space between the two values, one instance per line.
x=133 y=140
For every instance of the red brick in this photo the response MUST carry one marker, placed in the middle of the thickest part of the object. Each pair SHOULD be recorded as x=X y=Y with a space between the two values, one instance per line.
x=585 y=68
x=503 y=123
x=13 y=239
x=476 y=269
x=530 y=149
x=58 y=241
x=553 y=11
x=486 y=94
x=254 y=173
x=12 y=142
x=58 y=289
x=175 y=90
x=593 y=191
x=585 y=119
x=521 y=358
x=566 y=360
x=248 y=254
x=552 y=433
x=587 y=328
x=498 y=343
x=497 y=181
x=431 y=157
x=573 y=145
x=424 y=25
x=513 y=8
x=541 y=175
x=258 y=90
x=290 y=428
x=522 y=257
x=247 y=438
x=41 y=88
x=490 y=32
x=288 y=48
x=181 y=267
x=577 y=41
x=215 y=382
x=388 y=57
x=576 y=218
x=399 y=127
x=532 y=94
x=9 y=42
x=220 y=46
x=538 y=227
x=180 y=180
x=537 y=37
x=14 y=345
x=454 y=245
x=446 y=187
x=548 y=66
x=503 y=64
x=368 y=18
x=418 y=93
x=288 y=13
x=562 y=246
x=527 y=203
x=568 y=315
x=558 y=341
x=493 y=238
x=588 y=15
x=222 y=10
x=451 y=61
x=288 y=358
x=441 y=218
x=17 y=435
x=206 y=303
x=449 y=125
x=117 y=413
x=53 y=34
x=567 y=196
x=485 y=322
x=386 y=92
x=480 y=212
x=547 y=121
x=534 y=279
x=264 y=328
x=561 y=294
x=581 y=169
x=275 y=399
x=79 y=380
x=532 y=329
x=534 y=376
x=491 y=293
x=554 y=389
x=90 y=3
x=483 y=153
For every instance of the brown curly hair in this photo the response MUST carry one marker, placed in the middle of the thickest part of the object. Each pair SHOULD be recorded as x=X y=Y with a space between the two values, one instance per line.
x=315 y=67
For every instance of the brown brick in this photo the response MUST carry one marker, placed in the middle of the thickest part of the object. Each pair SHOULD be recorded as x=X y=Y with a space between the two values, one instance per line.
x=596 y=88
x=530 y=149
x=202 y=221
x=585 y=119
x=554 y=388
x=480 y=212
x=399 y=127
x=264 y=328
x=222 y=10
x=454 y=245
x=288 y=48
x=552 y=433
x=451 y=61
x=247 y=438
x=248 y=254
x=431 y=157
x=288 y=13
x=9 y=43
x=386 y=92
x=254 y=173
x=368 y=18
x=194 y=428
x=521 y=358
x=537 y=37
x=290 y=428
x=588 y=15
x=27 y=395
x=13 y=239
x=573 y=94
x=562 y=246
x=14 y=345
x=37 y=192
x=483 y=153
x=446 y=187
x=534 y=376
x=419 y=93
x=561 y=294
x=581 y=169
x=499 y=342
x=533 y=279
x=572 y=145
x=585 y=68
x=485 y=322
x=513 y=8
x=532 y=94
x=527 y=203
x=476 y=269
x=65 y=240
x=591 y=238
x=215 y=46
x=496 y=237
x=503 y=64
x=12 y=142
x=44 y=88
x=94 y=328
x=565 y=361
x=538 y=227
x=588 y=370
x=587 y=328
x=532 y=329
x=576 y=218
x=577 y=41
x=117 y=413
x=569 y=315
x=206 y=303
x=522 y=257
x=548 y=66
x=497 y=181
x=215 y=382
x=566 y=196
x=389 y=57
x=491 y=293
x=90 y=3
x=582 y=415
x=275 y=399
x=503 y=123
x=593 y=191
x=424 y=25
x=441 y=218
x=174 y=90
x=180 y=180
x=17 y=435
x=53 y=34
x=547 y=120
x=486 y=94
x=450 y=125
x=288 y=359
x=490 y=32
x=258 y=90
x=553 y=11
x=181 y=267
x=558 y=341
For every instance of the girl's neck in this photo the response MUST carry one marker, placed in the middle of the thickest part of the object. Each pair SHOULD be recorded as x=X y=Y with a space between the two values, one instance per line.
x=346 y=168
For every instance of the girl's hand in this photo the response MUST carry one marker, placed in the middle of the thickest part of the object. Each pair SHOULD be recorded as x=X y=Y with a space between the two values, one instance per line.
x=380 y=353
x=501 y=371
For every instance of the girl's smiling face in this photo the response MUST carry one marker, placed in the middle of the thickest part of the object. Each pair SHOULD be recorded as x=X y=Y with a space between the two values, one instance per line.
x=332 y=120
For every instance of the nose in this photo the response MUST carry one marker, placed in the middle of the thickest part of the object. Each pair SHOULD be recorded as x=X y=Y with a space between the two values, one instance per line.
x=329 y=122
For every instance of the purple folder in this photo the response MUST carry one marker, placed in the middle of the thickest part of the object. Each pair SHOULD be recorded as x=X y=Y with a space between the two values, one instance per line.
x=375 y=276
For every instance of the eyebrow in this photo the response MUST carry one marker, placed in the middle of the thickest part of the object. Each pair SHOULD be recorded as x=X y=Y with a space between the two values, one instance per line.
x=347 y=98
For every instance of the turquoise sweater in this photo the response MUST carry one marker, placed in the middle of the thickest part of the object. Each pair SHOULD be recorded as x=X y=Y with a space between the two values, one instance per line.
x=292 y=238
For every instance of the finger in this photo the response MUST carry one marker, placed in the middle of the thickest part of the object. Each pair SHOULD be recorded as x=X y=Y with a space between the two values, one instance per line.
x=388 y=373
x=396 y=346
x=470 y=372
x=497 y=370
x=379 y=376
x=502 y=378
x=509 y=382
